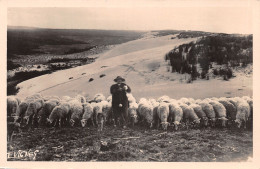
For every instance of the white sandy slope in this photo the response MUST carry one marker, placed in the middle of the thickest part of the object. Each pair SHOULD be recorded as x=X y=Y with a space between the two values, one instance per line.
x=142 y=63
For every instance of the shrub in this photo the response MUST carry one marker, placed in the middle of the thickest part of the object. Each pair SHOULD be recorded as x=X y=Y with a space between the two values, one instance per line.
x=11 y=65
x=194 y=72
x=229 y=73
x=203 y=74
x=215 y=72
x=91 y=79
x=102 y=75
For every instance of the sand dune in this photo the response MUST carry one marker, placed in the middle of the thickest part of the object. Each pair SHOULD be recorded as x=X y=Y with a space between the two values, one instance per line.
x=142 y=63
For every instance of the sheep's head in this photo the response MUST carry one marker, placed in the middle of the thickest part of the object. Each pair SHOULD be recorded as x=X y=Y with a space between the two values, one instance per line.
x=223 y=121
x=14 y=108
x=176 y=125
x=165 y=125
x=83 y=122
x=17 y=127
x=205 y=121
x=16 y=118
x=238 y=123
x=72 y=122
x=100 y=119
x=39 y=119
x=195 y=122
x=133 y=119
x=49 y=121
x=151 y=125
x=212 y=122
x=133 y=115
x=26 y=119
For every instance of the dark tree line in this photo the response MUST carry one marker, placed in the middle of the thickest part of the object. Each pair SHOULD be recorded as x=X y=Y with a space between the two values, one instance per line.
x=221 y=48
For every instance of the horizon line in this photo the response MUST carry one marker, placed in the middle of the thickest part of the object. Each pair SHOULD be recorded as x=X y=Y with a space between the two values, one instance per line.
x=140 y=30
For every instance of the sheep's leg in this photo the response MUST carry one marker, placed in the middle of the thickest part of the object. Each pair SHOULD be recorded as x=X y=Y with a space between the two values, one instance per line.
x=102 y=124
x=245 y=124
x=158 y=123
x=92 y=121
x=11 y=137
x=187 y=123
x=96 y=121
x=60 y=123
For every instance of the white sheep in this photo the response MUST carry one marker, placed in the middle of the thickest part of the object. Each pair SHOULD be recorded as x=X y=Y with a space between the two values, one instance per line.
x=109 y=98
x=191 y=100
x=81 y=98
x=46 y=111
x=99 y=97
x=198 y=101
x=106 y=109
x=175 y=114
x=200 y=113
x=243 y=111
x=132 y=113
x=12 y=105
x=76 y=110
x=231 y=109
x=20 y=111
x=34 y=97
x=88 y=114
x=130 y=98
x=145 y=111
x=163 y=114
x=209 y=111
x=250 y=102
x=189 y=115
x=32 y=110
x=100 y=114
x=153 y=102
x=184 y=100
x=164 y=99
x=60 y=114
x=220 y=112
x=65 y=98
x=54 y=100
x=143 y=100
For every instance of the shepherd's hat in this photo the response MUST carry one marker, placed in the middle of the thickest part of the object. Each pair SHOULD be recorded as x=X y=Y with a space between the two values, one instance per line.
x=119 y=78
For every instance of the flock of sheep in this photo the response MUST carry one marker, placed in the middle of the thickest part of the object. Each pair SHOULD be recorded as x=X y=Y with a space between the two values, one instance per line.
x=37 y=110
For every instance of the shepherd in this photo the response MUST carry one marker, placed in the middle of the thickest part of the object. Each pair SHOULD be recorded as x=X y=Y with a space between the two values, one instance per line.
x=119 y=100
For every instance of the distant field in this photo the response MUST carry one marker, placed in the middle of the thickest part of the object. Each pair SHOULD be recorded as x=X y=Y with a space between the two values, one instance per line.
x=28 y=41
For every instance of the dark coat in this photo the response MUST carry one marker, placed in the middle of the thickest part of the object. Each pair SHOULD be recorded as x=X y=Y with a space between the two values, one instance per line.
x=119 y=97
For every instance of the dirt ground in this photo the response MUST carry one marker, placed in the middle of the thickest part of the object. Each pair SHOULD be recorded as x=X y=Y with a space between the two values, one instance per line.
x=134 y=144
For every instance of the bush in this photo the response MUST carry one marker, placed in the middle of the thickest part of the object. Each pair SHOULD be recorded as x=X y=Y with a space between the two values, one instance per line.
x=194 y=72
x=203 y=74
x=215 y=72
x=91 y=79
x=11 y=65
x=229 y=73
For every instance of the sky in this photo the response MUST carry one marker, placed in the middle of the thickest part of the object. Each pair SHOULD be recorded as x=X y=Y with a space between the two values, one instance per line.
x=237 y=19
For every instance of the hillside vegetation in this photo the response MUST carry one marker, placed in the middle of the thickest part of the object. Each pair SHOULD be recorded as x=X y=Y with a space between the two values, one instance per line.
x=223 y=49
